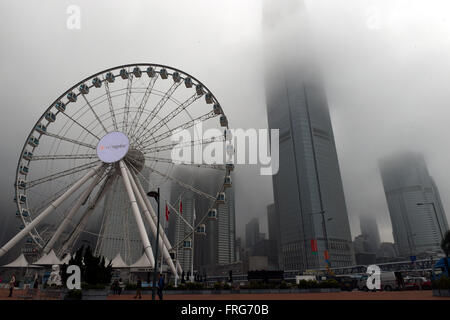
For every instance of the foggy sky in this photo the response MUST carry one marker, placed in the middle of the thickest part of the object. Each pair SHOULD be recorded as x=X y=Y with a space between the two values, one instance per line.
x=385 y=65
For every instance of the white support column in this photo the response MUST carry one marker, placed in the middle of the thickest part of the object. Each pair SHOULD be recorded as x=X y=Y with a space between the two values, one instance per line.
x=152 y=212
x=83 y=221
x=140 y=198
x=16 y=239
x=137 y=215
x=73 y=210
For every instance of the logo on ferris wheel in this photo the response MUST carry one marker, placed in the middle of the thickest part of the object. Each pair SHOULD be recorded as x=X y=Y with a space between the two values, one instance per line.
x=113 y=147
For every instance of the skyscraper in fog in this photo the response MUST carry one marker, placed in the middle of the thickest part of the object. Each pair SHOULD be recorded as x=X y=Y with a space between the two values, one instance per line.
x=251 y=232
x=369 y=231
x=416 y=228
x=309 y=179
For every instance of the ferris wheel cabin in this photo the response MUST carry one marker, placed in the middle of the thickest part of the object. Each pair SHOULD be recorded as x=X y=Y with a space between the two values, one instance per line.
x=221 y=198
x=212 y=214
x=137 y=72
x=96 y=82
x=72 y=97
x=42 y=129
x=27 y=155
x=60 y=106
x=110 y=77
x=84 y=89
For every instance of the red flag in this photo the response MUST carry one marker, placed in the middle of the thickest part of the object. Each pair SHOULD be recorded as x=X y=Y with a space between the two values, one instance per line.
x=167 y=213
x=314 y=245
x=181 y=207
x=326 y=255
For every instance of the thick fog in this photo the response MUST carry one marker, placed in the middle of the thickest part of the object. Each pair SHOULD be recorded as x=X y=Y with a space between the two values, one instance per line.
x=385 y=66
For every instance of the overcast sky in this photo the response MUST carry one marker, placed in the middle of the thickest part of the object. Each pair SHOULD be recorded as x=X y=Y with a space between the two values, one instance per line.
x=386 y=66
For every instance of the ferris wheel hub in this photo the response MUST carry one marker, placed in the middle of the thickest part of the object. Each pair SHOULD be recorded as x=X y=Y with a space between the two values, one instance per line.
x=113 y=147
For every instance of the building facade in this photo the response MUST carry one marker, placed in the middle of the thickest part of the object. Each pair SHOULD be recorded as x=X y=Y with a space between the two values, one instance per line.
x=417 y=215
x=309 y=180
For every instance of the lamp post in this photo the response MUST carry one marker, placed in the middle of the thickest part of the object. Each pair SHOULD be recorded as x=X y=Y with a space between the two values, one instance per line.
x=324 y=230
x=435 y=213
x=156 y=196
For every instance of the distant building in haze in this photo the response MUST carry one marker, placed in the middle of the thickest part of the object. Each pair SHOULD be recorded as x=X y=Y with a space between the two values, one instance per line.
x=417 y=229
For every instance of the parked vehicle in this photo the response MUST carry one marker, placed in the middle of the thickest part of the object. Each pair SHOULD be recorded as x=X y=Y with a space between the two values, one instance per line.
x=389 y=281
x=417 y=283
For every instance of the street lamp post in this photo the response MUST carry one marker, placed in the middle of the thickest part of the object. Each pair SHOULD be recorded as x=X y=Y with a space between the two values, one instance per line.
x=156 y=196
x=435 y=214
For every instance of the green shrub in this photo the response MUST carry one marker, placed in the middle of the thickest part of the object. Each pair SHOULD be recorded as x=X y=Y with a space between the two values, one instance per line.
x=442 y=283
x=195 y=286
x=284 y=285
x=221 y=286
x=308 y=284
x=329 y=283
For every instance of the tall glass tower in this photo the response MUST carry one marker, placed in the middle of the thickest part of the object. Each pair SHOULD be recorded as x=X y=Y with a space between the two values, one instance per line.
x=309 y=180
x=417 y=229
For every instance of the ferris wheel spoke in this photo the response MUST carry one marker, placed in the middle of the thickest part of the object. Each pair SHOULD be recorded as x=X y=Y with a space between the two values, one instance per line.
x=142 y=105
x=200 y=165
x=182 y=184
x=79 y=228
x=177 y=145
x=61 y=174
x=184 y=126
x=53 y=135
x=80 y=125
x=149 y=132
x=35 y=222
x=111 y=108
x=157 y=108
x=64 y=157
x=68 y=218
x=127 y=102
x=95 y=113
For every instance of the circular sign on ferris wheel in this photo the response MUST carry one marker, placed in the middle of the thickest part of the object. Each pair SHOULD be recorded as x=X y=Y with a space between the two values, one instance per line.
x=113 y=147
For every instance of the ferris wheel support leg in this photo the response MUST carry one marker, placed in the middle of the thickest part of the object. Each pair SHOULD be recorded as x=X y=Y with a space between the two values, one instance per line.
x=162 y=246
x=83 y=221
x=153 y=216
x=72 y=212
x=16 y=239
x=137 y=215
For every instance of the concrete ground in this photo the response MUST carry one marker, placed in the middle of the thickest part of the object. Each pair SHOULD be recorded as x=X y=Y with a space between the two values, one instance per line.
x=354 y=295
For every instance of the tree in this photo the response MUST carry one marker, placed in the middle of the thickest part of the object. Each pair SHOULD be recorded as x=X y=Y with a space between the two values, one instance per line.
x=93 y=269
x=445 y=246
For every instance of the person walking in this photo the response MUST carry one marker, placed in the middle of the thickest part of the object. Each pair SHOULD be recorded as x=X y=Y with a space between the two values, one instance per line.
x=160 y=286
x=121 y=286
x=138 y=289
x=12 y=283
x=115 y=287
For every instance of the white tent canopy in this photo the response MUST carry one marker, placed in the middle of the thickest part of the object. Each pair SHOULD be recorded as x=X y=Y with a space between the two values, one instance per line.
x=20 y=262
x=143 y=262
x=118 y=262
x=48 y=259
x=66 y=259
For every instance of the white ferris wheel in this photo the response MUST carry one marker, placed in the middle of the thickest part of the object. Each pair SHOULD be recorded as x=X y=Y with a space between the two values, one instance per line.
x=106 y=130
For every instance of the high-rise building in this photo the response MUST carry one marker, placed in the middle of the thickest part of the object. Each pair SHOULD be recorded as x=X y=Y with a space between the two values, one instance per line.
x=217 y=247
x=252 y=234
x=273 y=223
x=369 y=231
x=309 y=180
x=416 y=228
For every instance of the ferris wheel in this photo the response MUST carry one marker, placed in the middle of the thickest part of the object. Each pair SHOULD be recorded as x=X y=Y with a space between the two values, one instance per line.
x=116 y=127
